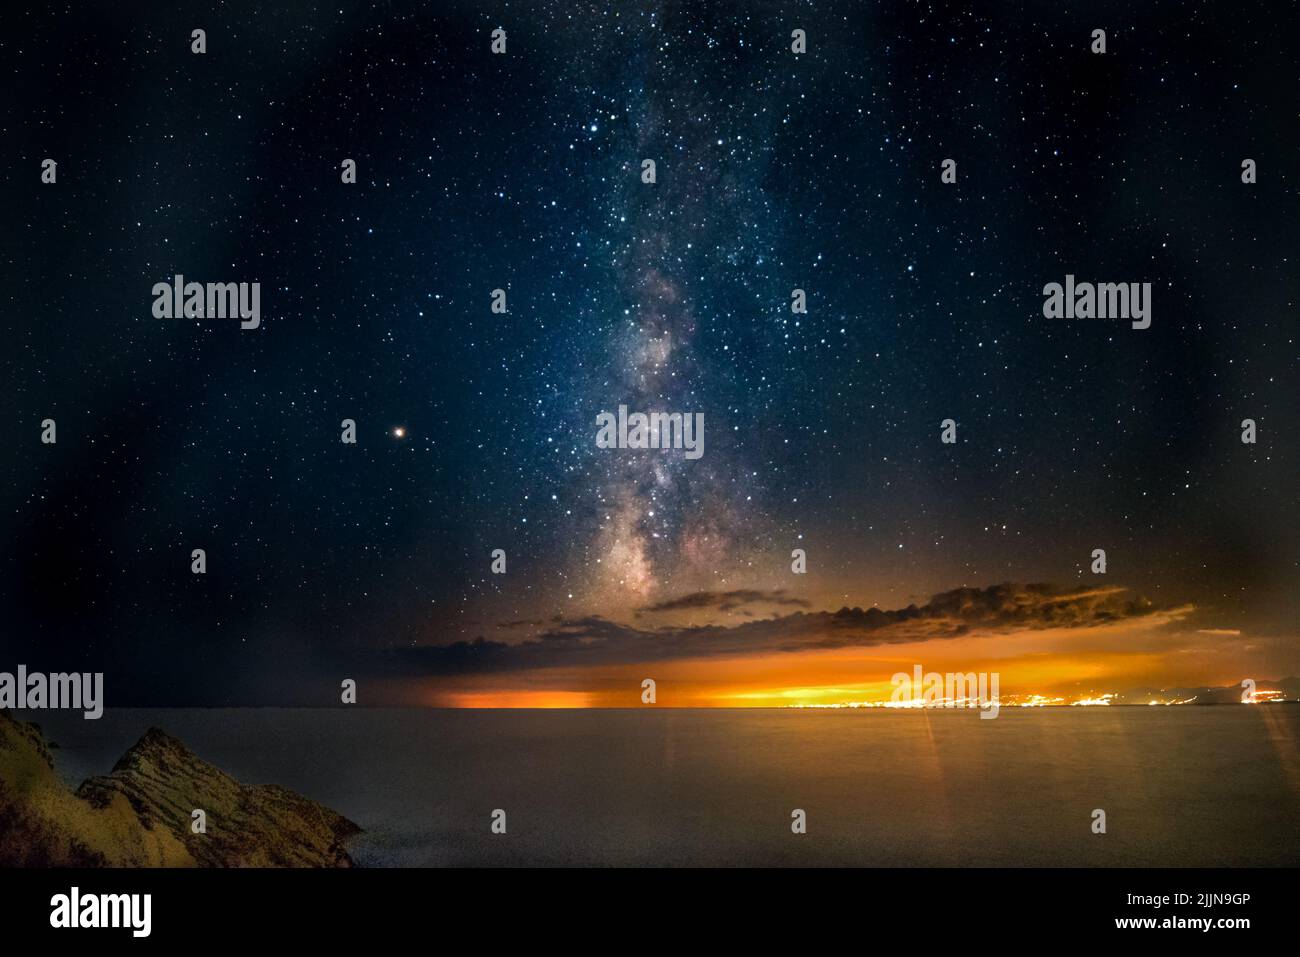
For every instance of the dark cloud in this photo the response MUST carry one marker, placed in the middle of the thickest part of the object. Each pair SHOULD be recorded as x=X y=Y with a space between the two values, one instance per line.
x=594 y=640
x=726 y=600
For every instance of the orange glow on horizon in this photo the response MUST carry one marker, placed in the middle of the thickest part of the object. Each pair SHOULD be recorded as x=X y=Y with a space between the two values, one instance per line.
x=511 y=698
x=1047 y=666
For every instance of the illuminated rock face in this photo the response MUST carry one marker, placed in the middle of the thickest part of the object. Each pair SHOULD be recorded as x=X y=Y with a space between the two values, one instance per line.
x=139 y=815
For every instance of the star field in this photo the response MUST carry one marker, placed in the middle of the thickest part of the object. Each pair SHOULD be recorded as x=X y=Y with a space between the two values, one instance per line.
x=775 y=171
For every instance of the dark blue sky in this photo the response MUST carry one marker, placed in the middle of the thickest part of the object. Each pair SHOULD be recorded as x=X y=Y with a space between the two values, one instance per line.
x=774 y=172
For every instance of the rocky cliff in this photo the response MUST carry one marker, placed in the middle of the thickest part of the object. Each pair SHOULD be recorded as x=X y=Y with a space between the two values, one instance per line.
x=139 y=815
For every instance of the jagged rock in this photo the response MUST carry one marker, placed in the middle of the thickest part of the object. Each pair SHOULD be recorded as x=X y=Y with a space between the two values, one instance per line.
x=139 y=814
x=258 y=826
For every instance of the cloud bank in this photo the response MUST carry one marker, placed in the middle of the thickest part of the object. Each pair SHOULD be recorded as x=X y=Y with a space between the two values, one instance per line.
x=594 y=640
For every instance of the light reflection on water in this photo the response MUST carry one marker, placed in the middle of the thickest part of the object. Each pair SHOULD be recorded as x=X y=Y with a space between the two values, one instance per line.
x=1214 y=786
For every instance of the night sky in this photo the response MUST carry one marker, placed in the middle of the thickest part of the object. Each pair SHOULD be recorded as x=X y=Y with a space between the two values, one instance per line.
x=775 y=171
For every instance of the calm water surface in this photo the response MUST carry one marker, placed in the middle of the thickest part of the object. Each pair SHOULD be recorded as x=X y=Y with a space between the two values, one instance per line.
x=1215 y=786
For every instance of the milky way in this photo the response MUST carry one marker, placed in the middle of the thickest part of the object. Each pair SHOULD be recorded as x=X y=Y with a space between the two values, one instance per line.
x=775 y=171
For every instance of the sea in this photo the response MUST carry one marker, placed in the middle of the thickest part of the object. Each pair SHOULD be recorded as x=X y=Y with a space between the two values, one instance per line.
x=1175 y=786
